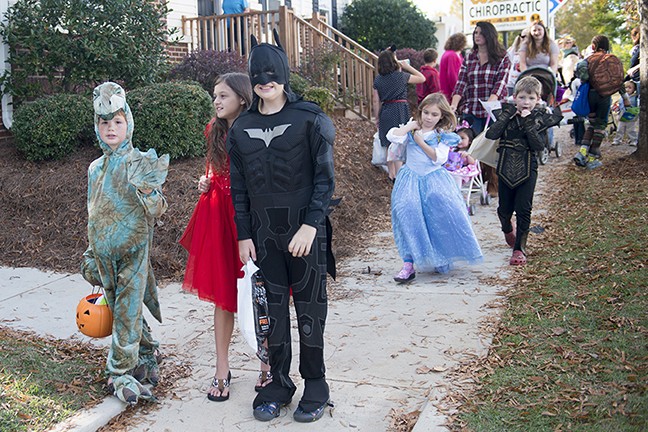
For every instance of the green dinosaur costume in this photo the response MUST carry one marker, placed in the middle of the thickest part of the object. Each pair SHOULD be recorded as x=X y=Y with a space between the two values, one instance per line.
x=120 y=232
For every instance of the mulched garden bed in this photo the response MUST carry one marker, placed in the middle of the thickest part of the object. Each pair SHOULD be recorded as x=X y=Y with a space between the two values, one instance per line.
x=44 y=216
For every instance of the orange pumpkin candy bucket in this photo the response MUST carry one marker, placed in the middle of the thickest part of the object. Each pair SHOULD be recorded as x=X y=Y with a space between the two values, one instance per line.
x=93 y=318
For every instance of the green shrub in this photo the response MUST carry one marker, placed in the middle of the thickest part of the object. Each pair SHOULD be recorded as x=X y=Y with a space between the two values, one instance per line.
x=298 y=83
x=322 y=97
x=52 y=127
x=171 y=117
x=377 y=24
x=77 y=43
x=320 y=65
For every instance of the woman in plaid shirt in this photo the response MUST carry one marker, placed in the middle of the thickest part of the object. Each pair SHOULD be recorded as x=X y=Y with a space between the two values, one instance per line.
x=483 y=76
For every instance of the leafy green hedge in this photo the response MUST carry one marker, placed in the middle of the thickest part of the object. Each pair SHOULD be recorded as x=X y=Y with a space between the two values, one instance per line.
x=70 y=43
x=53 y=127
x=171 y=117
x=321 y=96
x=298 y=84
x=318 y=94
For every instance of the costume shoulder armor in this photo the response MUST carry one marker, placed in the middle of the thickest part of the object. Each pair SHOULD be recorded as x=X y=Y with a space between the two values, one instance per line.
x=309 y=106
x=325 y=126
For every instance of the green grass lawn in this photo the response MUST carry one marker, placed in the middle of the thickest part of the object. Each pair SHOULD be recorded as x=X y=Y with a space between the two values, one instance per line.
x=46 y=381
x=571 y=352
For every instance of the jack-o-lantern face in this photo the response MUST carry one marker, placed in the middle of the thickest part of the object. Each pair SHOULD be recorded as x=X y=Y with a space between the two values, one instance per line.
x=93 y=320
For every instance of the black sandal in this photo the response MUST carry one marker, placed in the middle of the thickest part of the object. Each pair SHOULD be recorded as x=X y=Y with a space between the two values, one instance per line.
x=266 y=378
x=221 y=385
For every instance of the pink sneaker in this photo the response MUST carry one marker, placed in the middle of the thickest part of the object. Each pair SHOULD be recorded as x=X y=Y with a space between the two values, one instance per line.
x=518 y=258
x=510 y=238
x=406 y=274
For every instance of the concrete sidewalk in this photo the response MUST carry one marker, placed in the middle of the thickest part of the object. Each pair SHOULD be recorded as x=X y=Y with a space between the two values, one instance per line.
x=388 y=345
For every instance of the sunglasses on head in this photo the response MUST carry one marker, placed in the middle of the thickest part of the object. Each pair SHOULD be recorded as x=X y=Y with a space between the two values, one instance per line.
x=522 y=36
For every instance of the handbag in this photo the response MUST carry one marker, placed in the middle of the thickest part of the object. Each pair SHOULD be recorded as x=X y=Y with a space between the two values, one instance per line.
x=580 y=105
x=484 y=150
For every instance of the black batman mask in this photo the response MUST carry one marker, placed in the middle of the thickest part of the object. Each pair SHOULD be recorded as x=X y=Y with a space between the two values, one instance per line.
x=268 y=63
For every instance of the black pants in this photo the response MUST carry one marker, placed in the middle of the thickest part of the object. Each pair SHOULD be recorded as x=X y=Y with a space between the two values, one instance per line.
x=598 y=120
x=520 y=201
x=307 y=278
x=579 y=130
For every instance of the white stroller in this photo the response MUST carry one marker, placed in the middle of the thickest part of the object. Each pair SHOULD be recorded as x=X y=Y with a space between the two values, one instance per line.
x=469 y=179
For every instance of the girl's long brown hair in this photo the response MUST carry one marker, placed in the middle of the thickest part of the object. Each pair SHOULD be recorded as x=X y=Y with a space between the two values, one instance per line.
x=217 y=160
x=545 y=46
x=496 y=50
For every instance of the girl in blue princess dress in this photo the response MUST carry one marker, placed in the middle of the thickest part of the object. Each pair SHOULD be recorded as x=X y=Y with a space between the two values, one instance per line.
x=429 y=219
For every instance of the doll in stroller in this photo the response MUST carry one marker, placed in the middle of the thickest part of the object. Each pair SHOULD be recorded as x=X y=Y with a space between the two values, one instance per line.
x=465 y=169
x=551 y=94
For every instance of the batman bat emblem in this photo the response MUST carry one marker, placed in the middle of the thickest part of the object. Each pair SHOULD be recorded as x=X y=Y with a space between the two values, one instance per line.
x=267 y=135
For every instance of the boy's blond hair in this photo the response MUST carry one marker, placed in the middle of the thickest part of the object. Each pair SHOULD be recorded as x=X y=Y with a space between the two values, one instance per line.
x=528 y=84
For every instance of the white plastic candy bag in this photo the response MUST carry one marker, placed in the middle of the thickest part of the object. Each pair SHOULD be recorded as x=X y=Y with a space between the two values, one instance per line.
x=379 y=155
x=245 y=314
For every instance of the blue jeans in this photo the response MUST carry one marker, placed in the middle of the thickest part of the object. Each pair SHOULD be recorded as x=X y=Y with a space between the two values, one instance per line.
x=477 y=124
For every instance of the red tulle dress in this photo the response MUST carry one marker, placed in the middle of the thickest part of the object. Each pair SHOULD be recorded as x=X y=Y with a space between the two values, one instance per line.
x=210 y=238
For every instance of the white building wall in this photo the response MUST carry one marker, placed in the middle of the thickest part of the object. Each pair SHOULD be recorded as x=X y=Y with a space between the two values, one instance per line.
x=7 y=101
x=447 y=25
x=188 y=8
x=303 y=8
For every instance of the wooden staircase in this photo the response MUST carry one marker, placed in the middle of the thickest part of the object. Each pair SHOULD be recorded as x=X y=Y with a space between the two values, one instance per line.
x=355 y=66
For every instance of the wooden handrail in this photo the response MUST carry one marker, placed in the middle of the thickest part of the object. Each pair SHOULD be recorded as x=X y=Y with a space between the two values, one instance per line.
x=338 y=35
x=355 y=75
x=354 y=72
x=330 y=39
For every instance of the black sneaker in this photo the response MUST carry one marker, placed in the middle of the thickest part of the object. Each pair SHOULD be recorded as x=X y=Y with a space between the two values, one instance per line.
x=268 y=410
x=302 y=416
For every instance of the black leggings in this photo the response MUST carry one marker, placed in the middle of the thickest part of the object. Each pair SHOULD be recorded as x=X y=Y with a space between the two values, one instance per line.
x=520 y=201
x=307 y=278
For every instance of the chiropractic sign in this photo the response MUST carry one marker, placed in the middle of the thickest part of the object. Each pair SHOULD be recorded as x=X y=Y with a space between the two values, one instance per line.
x=505 y=15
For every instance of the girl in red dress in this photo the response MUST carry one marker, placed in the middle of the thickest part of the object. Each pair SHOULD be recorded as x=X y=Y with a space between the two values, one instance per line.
x=210 y=238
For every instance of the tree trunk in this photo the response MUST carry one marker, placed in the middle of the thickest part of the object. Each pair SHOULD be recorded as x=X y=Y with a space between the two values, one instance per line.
x=642 y=145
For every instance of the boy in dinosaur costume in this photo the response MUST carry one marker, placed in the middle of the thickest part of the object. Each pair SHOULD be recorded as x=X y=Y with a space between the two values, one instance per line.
x=124 y=200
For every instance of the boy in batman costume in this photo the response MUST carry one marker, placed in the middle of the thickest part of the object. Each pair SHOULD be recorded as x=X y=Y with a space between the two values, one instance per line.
x=281 y=156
